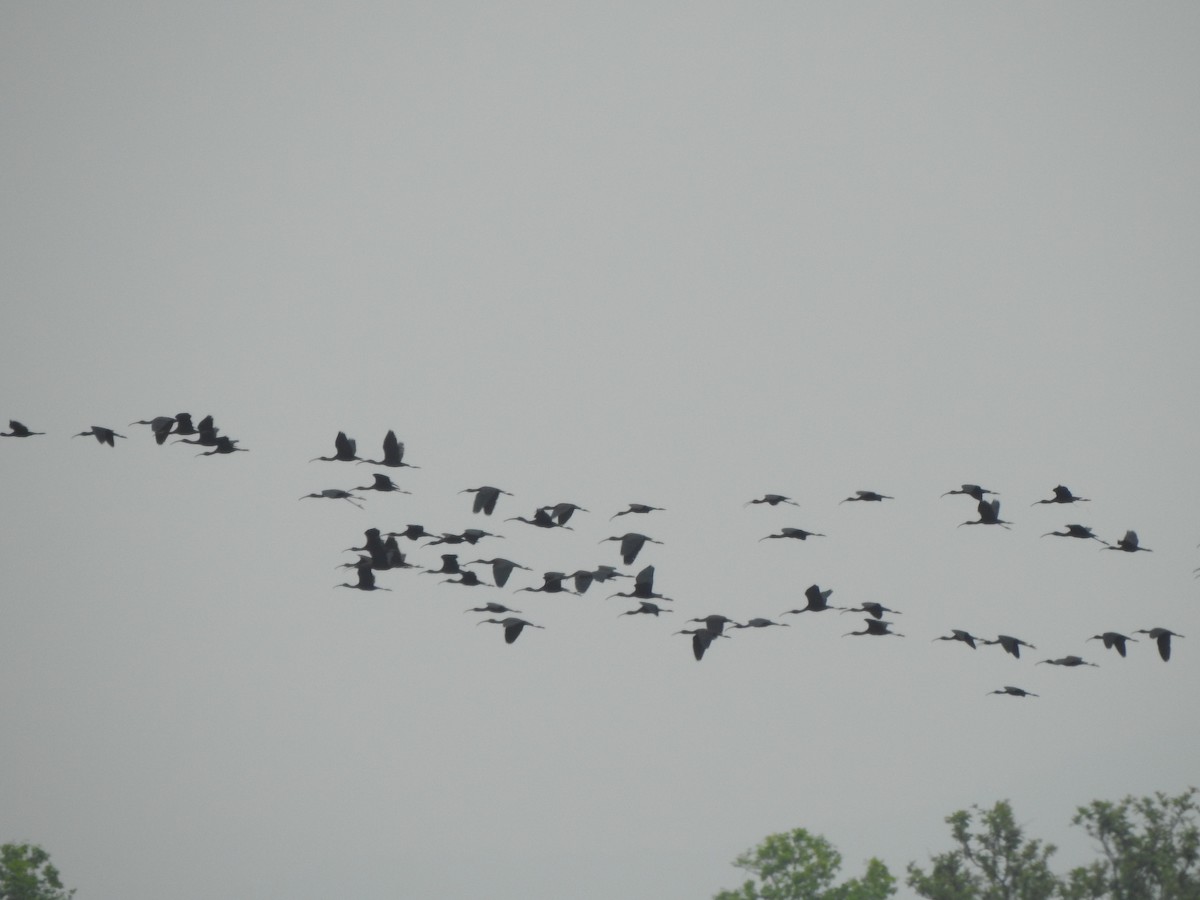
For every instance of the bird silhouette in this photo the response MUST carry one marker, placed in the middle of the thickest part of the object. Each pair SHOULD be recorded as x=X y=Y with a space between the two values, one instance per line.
x=335 y=494
x=184 y=426
x=493 y=608
x=789 y=532
x=224 y=445
x=393 y=454
x=19 y=430
x=206 y=436
x=562 y=512
x=873 y=609
x=758 y=622
x=159 y=425
x=715 y=623
x=366 y=581
x=468 y=578
x=643 y=587
x=1113 y=640
x=449 y=566
x=541 y=518
x=870 y=496
x=631 y=545
x=101 y=434
x=512 y=627
x=1013 y=692
x=1129 y=544
x=485 y=498
x=1011 y=645
x=818 y=601
x=772 y=500
x=1163 y=637
x=636 y=508
x=647 y=608
x=552 y=583
x=470 y=536
x=413 y=533
x=971 y=490
x=345 y=450
x=1062 y=494
x=603 y=573
x=382 y=482
x=501 y=568
x=1068 y=661
x=957 y=634
x=1076 y=531
x=876 y=627
x=702 y=639
x=989 y=514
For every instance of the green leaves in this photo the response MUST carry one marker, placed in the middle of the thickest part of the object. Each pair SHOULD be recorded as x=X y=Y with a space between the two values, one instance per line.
x=27 y=874
x=803 y=866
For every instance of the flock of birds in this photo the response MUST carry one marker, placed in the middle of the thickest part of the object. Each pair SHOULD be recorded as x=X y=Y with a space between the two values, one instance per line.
x=381 y=551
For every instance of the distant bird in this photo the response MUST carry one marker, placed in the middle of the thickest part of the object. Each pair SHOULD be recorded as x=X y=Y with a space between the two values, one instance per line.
x=1163 y=637
x=1076 y=531
x=1113 y=640
x=159 y=425
x=989 y=514
x=392 y=557
x=184 y=426
x=818 y=601
x=631 y=545
x=501 y=568
x=971 y=490
x=366 y=581
x=643 y=587
x=1013 y=692
x=636 y=508
x=562 y=512
x=412 y=532
x=1011 y=645
x=205 y=437
x=715 y=623
x=702 y=638
x=583 y=579
x=772 y=500
x=872 y=609
x=789 y=532
x=19 y=430
x=449 y=566
x=223 y=445
x=541 y=518
x=335 y=494
x=512 y=627
x=552 y=583
x=876 y=627
x=493 y=608
x=372 y=542
x=101 y=434
x=468 y=578
x=470 y=536
x=870 y=496
x=758 y=623
x=393 y=454
x=345 y=450
x=1068 y=661
x=603 y=573
x=1129 y=544
x=382 y=482
x=1062 y=494
x=957 y=634
x=647 y=608
x=485 y=498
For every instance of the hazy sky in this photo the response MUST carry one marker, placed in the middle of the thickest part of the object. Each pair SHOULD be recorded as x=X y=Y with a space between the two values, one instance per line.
x=678 y=254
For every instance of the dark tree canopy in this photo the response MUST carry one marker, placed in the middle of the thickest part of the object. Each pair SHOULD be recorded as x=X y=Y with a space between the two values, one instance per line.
x=26 y=873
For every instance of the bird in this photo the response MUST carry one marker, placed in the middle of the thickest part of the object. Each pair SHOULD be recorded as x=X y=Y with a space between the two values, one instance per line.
x=1062 y=494
x=18 y=430
x=183 y=424
x=1113 y=640
x=412 y=532
x=470 y=536
x=345 y=450
x=562 y=512
x=818 y=601
x=468 y=578
x=392 y=557
x=971 y=490
x=798 y=533
x=1068 y=661
x=1129 y=544
x=758 y=623
x=643 y=587
x=206 y=436
x=876 y=627
x=491 y=607
x=335 y=494
x=159 y=425
x=393 y=454
x=485 y=498
x=372 y=542
x=631 y=545
x=512 y=627
x=501 y=568
x=382 y=482
x=603 y=573
x=646 y=607
x=1010 y=644
x=772 y=500
x=867 y=495
x=1163 y=637
x=1076 y=531
x=957 y=634
x=1013 y=692
x=366 y=581
x=989 y=514
x=101 y=434
x=715 y=623
x=872 y=609
x=552 y=583
x=224 y=445
x=702 y=638
x=541 y=518
x=449 y=566
x=637 y=508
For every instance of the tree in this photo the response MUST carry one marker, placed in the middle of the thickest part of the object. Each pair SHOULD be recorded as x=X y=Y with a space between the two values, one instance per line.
x=802 y=866
x=994 y=863
x=27 y=874
x=1150 y=847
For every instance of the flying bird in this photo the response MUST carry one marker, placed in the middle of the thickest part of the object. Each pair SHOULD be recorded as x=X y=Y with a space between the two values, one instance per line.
x=468 y=578
x=366 y=581
x=1013 y=692
x=631 y=545
x=715 y=623
x=345 y=450
x=1129 y=544
x=957 y=634
x=789 y=532
x=1076 y=531
x=562 y=512
x=470 y=536
x=758 y=622
x=818 y=601
x=485 y=498
x=873 y=609
x=989 y=514
x=19 y=430
x=971 y=490
x=449 y=566
x=101 y=434
x=501 y=568
x=1011 y=645
x=412 y=532
x=542 y=519
x=876 y=627
x=1163 y=637
x=1062 y=494
x=493 y=608
x=1068 y=661
x=335 y=494
x=1113 y=640
x=870 y=496
x=223 y=445
x=647 y=608
x=772 y=500
x=159 y=425
x=552 y=583
x=702 y=638
x=512 y=627
x=393 y=454
x=643 y=587
x=636 y=508
x=382 y=482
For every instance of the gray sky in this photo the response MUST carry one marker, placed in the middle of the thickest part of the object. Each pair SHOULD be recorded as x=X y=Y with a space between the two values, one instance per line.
x=682 y=255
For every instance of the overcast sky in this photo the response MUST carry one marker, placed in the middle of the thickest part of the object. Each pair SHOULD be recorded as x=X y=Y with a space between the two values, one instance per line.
x=677 y=254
